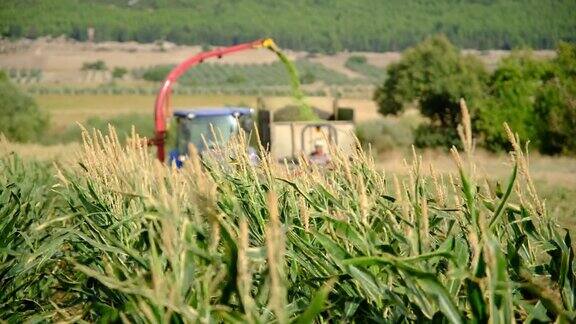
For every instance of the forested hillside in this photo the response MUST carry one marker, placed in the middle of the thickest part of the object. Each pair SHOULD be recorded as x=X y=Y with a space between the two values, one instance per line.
x=314 y=25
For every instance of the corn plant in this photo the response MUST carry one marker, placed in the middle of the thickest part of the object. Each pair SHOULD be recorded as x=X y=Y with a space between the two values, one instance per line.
x=220 y=240
x=29 y=245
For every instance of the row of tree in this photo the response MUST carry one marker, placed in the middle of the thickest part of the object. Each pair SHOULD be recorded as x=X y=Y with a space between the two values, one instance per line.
x=313 y=25
x=536 y=97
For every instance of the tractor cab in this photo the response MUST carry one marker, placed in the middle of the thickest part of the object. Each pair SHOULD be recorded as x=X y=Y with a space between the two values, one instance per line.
x=206 y=128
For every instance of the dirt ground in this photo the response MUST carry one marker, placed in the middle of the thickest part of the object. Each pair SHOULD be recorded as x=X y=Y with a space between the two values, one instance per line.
x=560 y=171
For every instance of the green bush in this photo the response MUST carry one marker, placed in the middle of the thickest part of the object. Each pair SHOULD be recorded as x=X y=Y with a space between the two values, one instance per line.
x=20 y=118
x=236 y=79
x=157 y=73
x=119 y=72
x=435 y=75
x=356 y=59
x=94 y=66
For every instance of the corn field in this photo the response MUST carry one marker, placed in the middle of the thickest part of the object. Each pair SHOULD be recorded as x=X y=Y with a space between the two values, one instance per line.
x=120 y=237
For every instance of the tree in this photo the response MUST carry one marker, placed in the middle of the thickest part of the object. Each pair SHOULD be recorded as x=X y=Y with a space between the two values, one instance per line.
x=435 y=75
x=512 y=88
x=20 y=118
x=307 y=78
x=555 y=105
x=95 y=66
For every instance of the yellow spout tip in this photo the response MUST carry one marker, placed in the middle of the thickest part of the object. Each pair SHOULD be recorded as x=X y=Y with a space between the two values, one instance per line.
x=270 y=44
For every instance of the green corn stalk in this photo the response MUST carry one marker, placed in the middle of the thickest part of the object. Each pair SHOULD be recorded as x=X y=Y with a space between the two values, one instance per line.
x=119 y=237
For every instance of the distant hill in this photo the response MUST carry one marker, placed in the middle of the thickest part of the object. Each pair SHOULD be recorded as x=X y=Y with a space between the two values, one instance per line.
x=314 y=25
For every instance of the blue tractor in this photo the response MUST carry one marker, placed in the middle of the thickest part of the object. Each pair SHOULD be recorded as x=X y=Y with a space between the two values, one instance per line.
x=205 y=128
